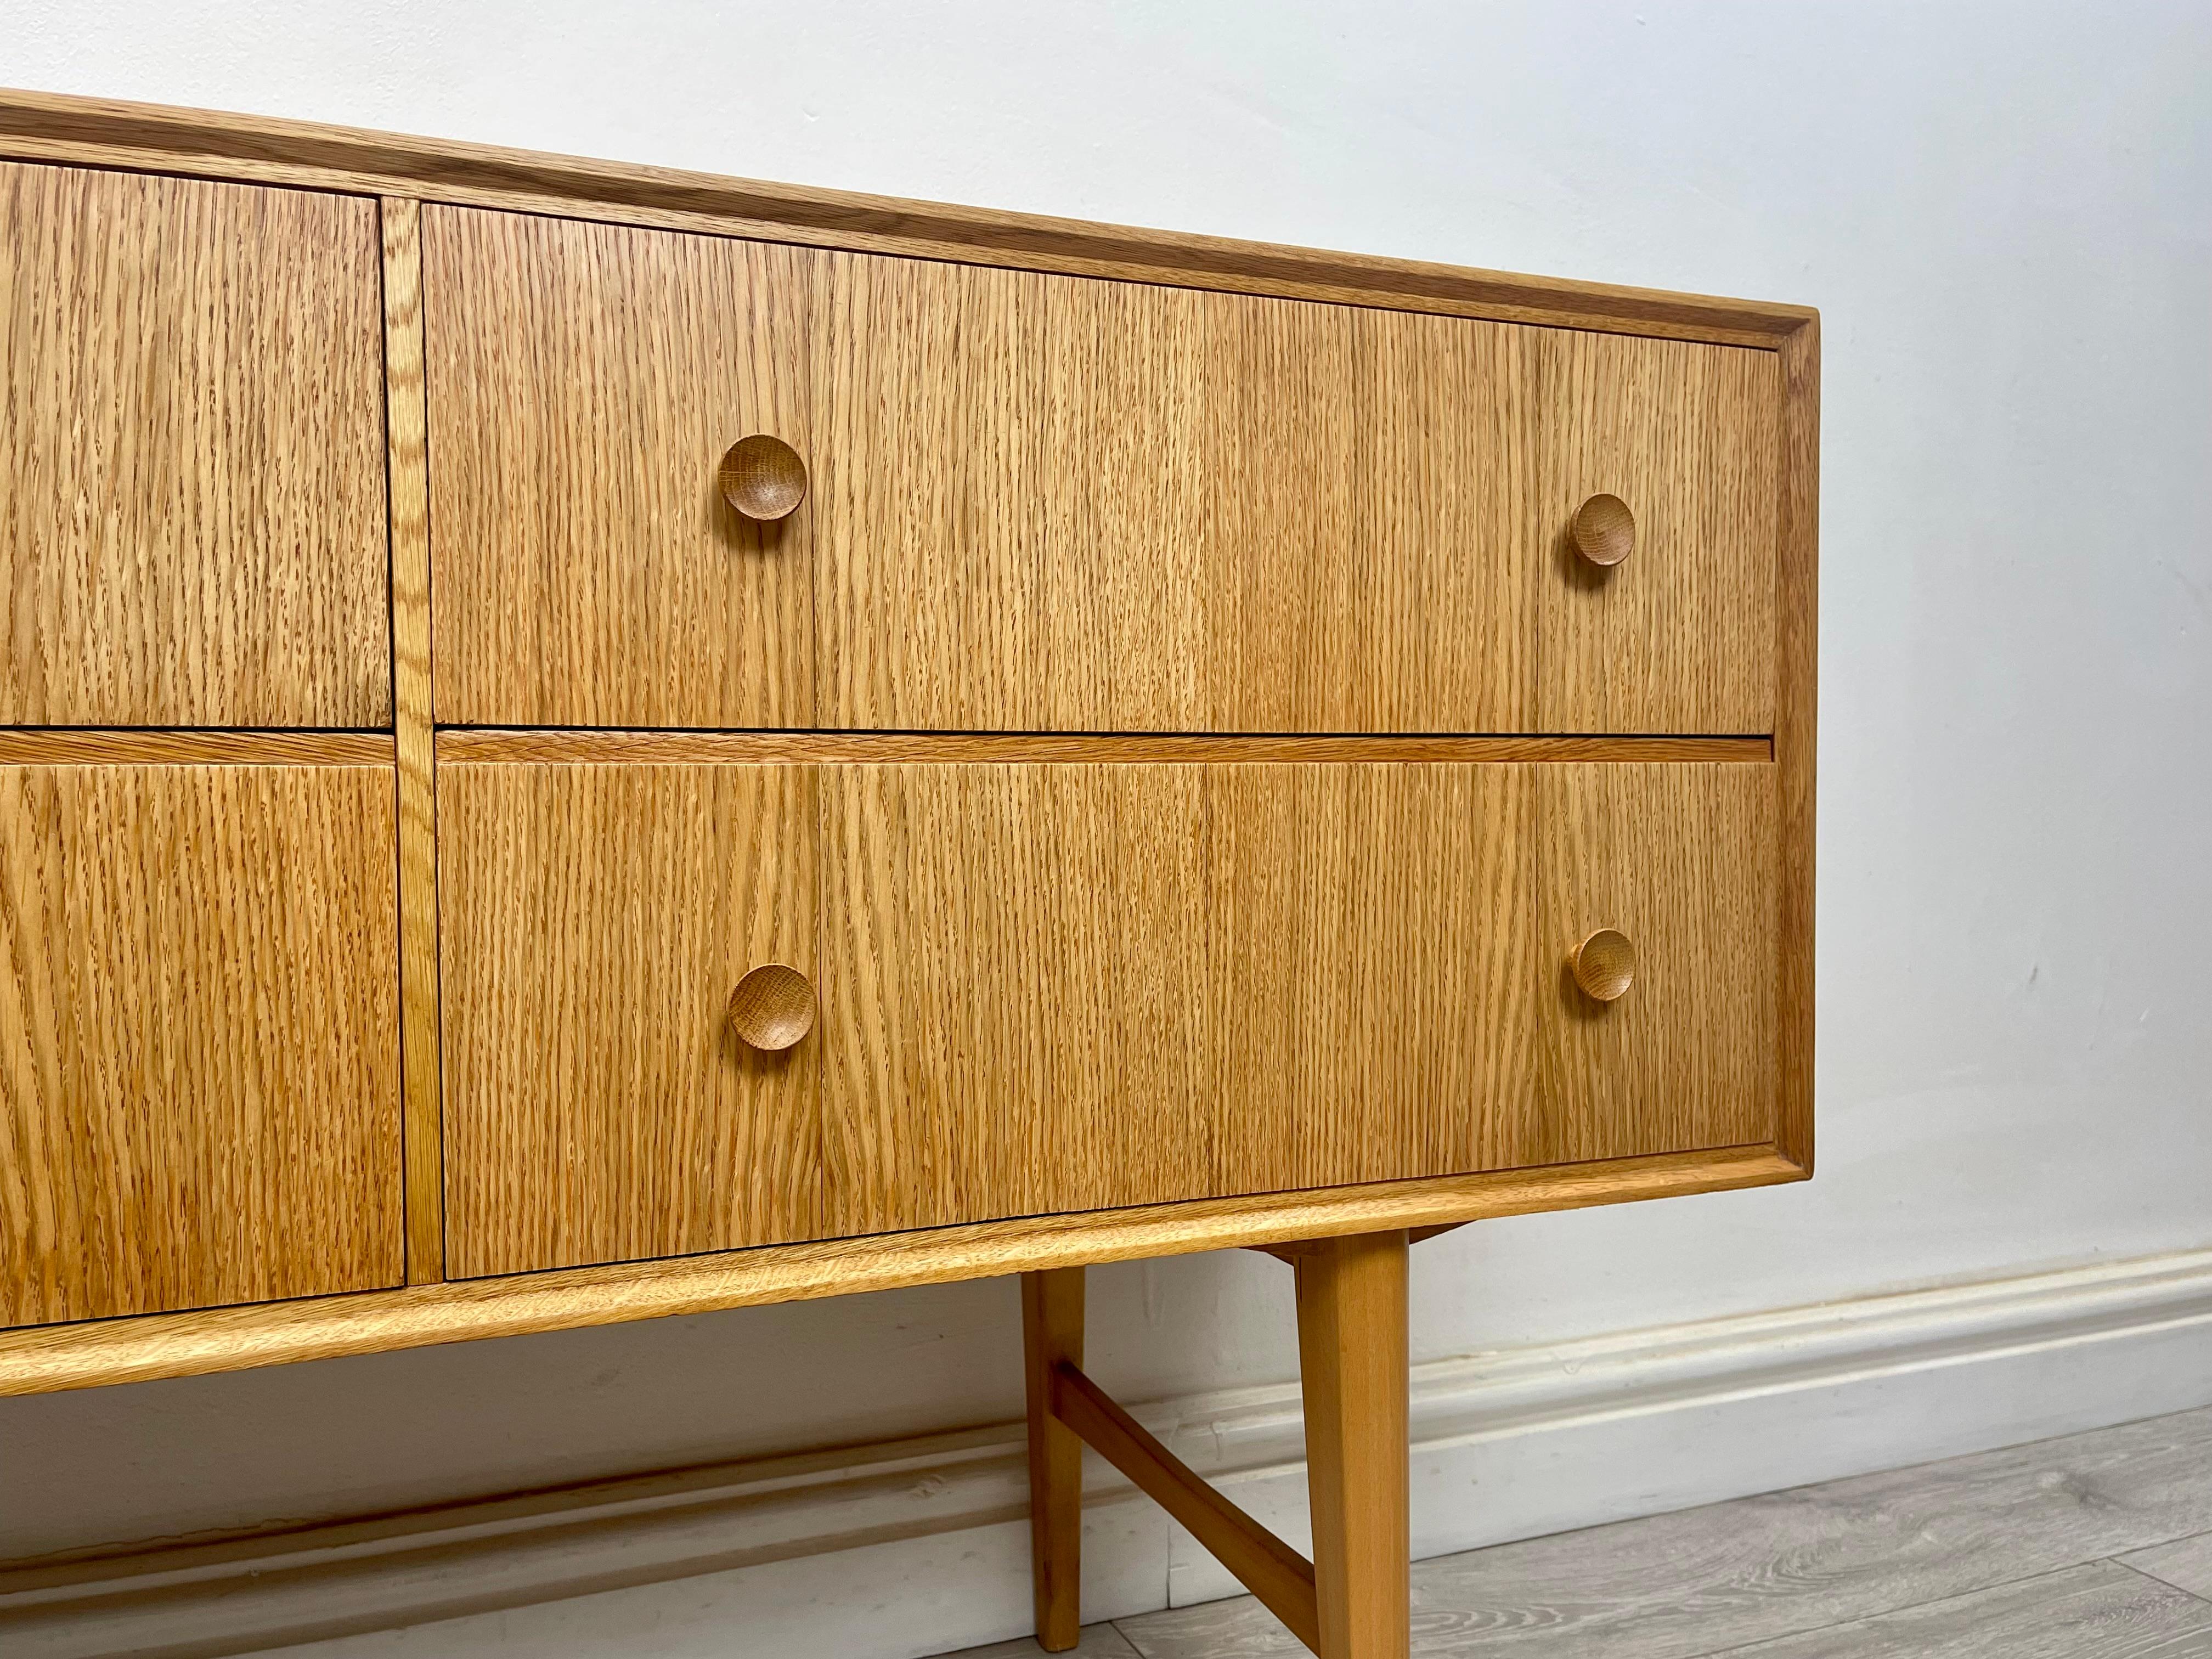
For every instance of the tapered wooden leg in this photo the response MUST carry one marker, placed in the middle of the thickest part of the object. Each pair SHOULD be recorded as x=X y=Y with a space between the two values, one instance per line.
x=1352 y=1356
x=1052 y=1330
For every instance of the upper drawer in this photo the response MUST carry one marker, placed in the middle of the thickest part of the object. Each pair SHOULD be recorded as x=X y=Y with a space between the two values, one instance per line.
x=1054 y=503
x=193 y=529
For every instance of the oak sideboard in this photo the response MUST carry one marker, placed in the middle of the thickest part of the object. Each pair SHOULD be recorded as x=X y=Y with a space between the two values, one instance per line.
x=582 y=742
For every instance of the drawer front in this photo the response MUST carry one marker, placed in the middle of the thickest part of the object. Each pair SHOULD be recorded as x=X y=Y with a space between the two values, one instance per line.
x=193 y=532
x=1057 y=504
x=1014 y=989
x=1376 y=993
x=1047 y=987
x=199 y=1098
x=583 y=382
x=1056 y=987
x=1682 y=859
x=1679 y=635
x=595 y=921
x=1389 y=952
x=1050 y=503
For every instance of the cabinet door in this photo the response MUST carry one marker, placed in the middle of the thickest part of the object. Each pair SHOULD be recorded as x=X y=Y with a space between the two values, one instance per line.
x=1376 y=987
x=192 y=528
x=1678 y=636
x=583 y=382
x=593 y=921
x=1680 y=857
x=199 y=1092
x=1013 y=990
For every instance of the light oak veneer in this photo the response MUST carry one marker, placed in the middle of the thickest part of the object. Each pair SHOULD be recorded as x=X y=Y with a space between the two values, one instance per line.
x=43 y=1360
x=414 y=745
x=1048 y=987
x=584 y=383
x=199 y=1091
x=753 y=743
x=193 y=530
x=112 y=133
x=1037 y=502
x=594 y=920
x=1680 y=635
x=1014 y=979
x=1682 y=860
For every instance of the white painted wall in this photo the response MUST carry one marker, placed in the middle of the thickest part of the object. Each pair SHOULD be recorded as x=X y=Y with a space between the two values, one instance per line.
x=2004 y=211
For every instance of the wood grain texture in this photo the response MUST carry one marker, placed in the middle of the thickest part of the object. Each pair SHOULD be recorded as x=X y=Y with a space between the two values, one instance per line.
x=1352 y=1369
x=407 y=469
x=594 y=920
x=1013 y=990
x=1682 y=859
x=2099 y=1611
x=1370 y=550
x=191 y=1345
x=62 y=746
x=1721 y=1578
x=1604 y=965
x=773 y=1006
x=199 y=1053
x=2186 y=1563
x=762 y=477
x=1047 y=503
x=1680 y=637
x=754 y=747
x=1094 y=1642
x=1185 y=502
x=1052 y=1336
x=1771 y=1569
x=193 y=529
x=1798 y=684
x=1010 y=518
x=585 y=381
x=1035 y=978
x=1375 y=981
x=113 y=133
x=1282 y=1578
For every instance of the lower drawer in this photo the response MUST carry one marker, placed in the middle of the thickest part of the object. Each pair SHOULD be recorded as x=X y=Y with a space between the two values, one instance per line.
x=199 y=1094
x=1052 y=986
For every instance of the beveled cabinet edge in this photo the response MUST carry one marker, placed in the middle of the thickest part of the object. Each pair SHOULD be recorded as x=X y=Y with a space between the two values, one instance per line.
x=101 y=133
x=485 y=745
x=407 y=481
x=50 y=1358
x=1797 y=695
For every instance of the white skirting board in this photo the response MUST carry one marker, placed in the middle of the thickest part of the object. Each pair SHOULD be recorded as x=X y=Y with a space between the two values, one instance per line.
x=899 y=1549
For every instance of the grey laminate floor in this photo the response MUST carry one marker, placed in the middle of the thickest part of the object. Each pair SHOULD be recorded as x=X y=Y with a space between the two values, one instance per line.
x=2098 y=1546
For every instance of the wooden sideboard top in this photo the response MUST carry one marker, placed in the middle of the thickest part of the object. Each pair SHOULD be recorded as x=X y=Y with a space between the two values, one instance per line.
x=51 y=126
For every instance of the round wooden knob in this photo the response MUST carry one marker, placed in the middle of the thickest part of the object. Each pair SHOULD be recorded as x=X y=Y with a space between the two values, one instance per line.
x=1604 y=965
x=1604 y=530
x=773 y=1006
x=762 y=477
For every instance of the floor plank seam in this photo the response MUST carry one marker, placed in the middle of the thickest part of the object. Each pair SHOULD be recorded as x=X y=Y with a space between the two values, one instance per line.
x=2163 y=1584
x=1869 y=1617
